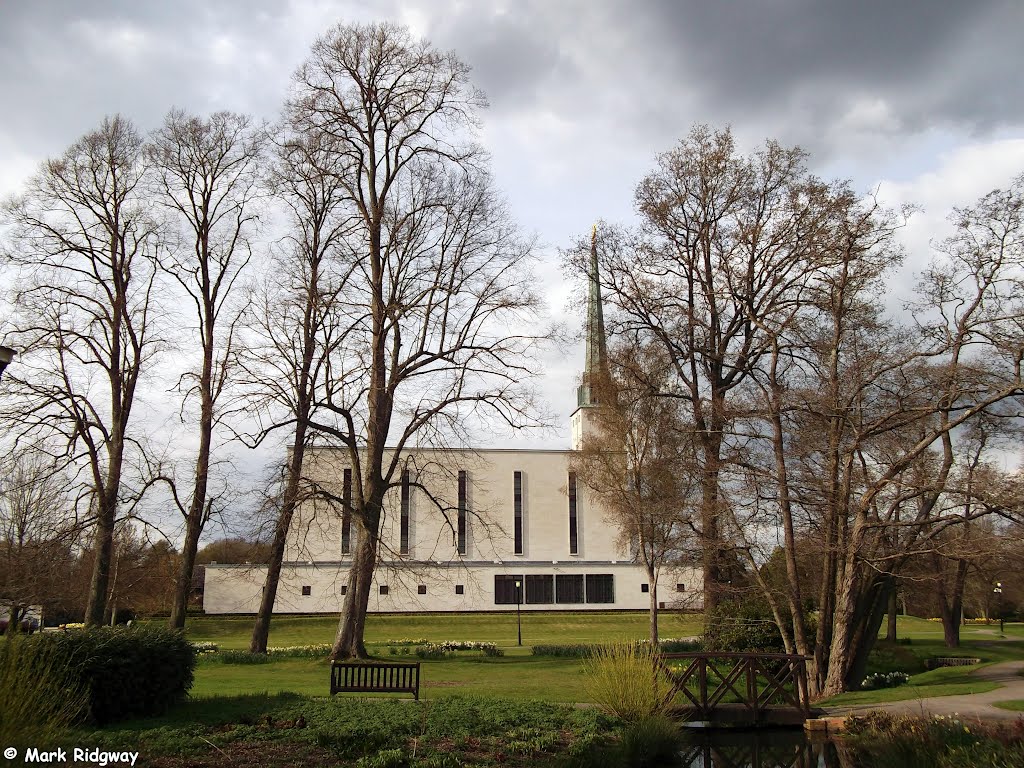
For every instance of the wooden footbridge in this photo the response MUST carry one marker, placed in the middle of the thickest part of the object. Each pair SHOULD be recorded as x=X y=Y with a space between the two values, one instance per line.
x=741 y=688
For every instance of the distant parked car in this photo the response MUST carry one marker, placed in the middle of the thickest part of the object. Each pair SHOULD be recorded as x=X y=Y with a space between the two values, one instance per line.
x=28 y=626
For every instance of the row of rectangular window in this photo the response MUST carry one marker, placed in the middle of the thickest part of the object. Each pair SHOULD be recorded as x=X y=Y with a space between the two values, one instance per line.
x=547 y=589
x=463 y=511
x=383 y=589
x=567 y=589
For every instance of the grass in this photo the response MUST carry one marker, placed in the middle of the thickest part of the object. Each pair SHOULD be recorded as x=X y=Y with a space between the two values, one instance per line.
x=233 y=632
x=1013 y=705
x=278 y=713
x=946 y=681
x=519 y=676
x=514 y=677
x=294 y=730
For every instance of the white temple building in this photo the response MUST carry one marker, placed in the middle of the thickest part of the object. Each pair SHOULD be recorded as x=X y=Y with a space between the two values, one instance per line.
x=467 y=530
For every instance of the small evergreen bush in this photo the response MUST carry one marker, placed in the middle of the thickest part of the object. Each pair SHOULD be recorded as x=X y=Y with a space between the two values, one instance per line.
x=120 y=671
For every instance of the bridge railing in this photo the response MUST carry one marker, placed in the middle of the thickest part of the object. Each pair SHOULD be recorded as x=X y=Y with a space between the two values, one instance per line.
x=753 y=682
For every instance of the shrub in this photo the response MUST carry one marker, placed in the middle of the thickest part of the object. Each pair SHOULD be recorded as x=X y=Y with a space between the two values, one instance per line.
x=934 y=742
x=746 y=626
x=680 y=645
x=120 y=671
x=583 y=651
x=38 y=698
x=627 y=681
x=241 y=657
x=447 y=647
x=572 y=651
x=650 y=741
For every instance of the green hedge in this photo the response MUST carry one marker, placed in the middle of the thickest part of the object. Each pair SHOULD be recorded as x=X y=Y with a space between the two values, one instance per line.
x=121 y=672
x=586 y=650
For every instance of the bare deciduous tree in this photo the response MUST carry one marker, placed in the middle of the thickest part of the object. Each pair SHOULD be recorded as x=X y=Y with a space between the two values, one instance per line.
x=207 y=174
x=85 y=245
x=439 y=288
x=296 y=323
x=38 y=527
x=640 y=462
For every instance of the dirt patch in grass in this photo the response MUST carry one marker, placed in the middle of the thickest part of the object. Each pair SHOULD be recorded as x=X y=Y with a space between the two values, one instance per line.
x=265 y=754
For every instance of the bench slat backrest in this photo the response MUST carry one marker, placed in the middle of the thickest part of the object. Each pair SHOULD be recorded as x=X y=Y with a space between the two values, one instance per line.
x=368 y=677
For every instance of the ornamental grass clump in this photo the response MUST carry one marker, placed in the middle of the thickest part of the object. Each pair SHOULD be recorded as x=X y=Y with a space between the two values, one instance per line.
x=628 y=681
x=39 y=697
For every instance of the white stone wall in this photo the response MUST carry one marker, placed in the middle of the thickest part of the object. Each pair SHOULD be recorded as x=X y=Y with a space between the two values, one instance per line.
x=314 y=559
x=236 y=588
x=316 y=531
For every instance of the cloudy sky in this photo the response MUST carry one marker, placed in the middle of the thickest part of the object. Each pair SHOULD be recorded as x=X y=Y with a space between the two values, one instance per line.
x=922 y=99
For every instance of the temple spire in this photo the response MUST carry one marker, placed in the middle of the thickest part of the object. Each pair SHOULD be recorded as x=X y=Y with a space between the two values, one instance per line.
x=597 y=351
x=595 y=369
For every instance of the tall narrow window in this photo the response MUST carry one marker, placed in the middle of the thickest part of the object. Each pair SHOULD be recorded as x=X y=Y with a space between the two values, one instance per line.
x=517 y=497
x=573 y=535
x=463 y=504
x=406 y=501
x=346 y=513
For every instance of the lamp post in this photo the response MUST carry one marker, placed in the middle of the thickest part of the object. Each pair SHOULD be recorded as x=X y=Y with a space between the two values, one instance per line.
x=6 y=355
x=519 y=620
x=998 y=592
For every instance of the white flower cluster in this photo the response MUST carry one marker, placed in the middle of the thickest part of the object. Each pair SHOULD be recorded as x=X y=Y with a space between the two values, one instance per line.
x=316 y=649
x=406 y=641
x=466 y=645
x=884 y=680
x=442 y=649
x=205 y=647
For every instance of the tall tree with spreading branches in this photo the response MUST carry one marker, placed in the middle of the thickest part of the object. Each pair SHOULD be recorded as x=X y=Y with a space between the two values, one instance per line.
x=85 y=244
x=207 y=175
x=439 y=292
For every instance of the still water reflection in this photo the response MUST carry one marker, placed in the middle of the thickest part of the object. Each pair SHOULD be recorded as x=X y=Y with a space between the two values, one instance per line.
x=757 y=748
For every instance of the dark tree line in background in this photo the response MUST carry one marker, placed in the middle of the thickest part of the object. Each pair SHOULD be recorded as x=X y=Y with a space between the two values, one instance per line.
x=819 y=422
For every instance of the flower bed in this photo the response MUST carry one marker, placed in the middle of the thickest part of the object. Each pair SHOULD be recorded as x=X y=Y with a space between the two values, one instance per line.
x=884 y=680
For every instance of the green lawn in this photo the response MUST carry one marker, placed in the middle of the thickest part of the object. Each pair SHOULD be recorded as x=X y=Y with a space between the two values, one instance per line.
x=521 y=676
x=232 y=632
x=1014 y=705
x=516 y=677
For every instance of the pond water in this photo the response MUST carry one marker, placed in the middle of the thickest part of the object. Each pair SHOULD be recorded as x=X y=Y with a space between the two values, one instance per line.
x=758 y=748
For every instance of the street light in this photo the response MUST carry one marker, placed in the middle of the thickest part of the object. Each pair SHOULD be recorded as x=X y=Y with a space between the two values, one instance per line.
x=6 y=355
x=519 y=619
x=998 y=592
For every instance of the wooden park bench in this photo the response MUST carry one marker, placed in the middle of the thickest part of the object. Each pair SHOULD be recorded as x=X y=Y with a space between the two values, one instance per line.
x=375 y=677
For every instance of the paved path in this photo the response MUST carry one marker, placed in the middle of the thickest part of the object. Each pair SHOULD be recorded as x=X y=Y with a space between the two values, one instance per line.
x=970 y=706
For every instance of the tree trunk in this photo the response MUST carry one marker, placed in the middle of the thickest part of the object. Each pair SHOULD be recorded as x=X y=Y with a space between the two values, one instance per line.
x=652 y=582
x=348 y=643
x=890 y=631
x=874 y=608
x=103 y=548
x=261 y=628
x=183 y=584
